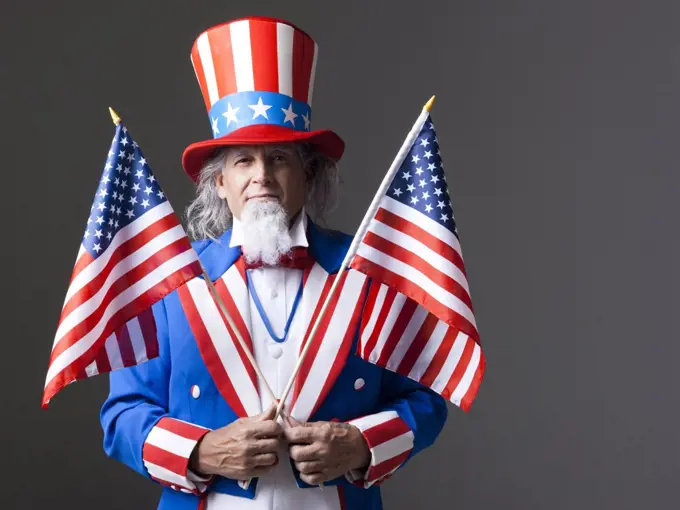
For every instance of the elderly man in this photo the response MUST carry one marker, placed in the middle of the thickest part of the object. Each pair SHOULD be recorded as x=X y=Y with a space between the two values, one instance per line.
x=198 y=419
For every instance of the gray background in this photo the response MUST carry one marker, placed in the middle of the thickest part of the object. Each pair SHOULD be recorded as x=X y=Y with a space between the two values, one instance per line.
x=559 y=126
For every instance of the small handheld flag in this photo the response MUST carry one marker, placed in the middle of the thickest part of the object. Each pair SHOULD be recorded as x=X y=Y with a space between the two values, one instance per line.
x=133 y=253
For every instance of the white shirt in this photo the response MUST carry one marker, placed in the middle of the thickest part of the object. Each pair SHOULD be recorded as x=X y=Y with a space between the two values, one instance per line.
x=276 y=289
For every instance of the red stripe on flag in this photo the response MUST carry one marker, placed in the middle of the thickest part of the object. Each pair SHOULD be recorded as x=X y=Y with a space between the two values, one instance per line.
x=200 y=75
x=102 y=360
x=415 y=292
x=84 y=260
x=209 y=354
x=380 y=322
x=165 y=459
x=148 y=326
x=124 y=250
x=263 y=47
x=303 y=58
x=471 y=393
x=460 y=369
x=411 y=229
x=132 y=309
x=418 y=345
x=412 y=259
x=127 y=350
x=371 y=298
x=223 y=59
x=344 y=348
x=439 y=358
x=405 y=315
x=119 y=286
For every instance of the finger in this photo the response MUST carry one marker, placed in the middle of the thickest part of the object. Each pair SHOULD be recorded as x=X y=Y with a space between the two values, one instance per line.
x=309 y=467
x=266 y=429
x=304 y=453
x=265 y=459
x=269 y=445
x=313 y=478
x=268 y=414
x=301 y=434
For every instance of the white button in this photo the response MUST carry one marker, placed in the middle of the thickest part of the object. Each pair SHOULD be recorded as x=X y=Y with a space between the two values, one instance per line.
x=274 y=294
x=275 y=351
x=195 y=391
x=359 y=384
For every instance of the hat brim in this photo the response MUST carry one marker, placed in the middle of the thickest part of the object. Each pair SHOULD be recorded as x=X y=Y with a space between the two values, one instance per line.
x=196 y=154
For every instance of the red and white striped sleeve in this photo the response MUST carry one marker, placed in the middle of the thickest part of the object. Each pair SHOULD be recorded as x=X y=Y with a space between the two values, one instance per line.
x=167 y=451
x=390 y=440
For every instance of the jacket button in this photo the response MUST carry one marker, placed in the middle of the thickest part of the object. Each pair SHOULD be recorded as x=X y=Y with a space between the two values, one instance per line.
x=359 y=384
x=275 y=351
x=195 y=391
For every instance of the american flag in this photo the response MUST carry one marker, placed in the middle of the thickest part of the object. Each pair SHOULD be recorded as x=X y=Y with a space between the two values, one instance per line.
x=134 y=252
x=419 y=319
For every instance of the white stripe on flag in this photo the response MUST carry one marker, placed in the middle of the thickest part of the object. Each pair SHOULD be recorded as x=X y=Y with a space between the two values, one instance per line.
x=428 y=351
x=127 y=296
x=123 y=267
x=439 y=231
x=137 y=340
x=407 y=337
x=412 y=244
x=466 y=381
x=387 y=326
x=113 y=353
x=243 y=59
x=124 y=234
x=417 y=278
x=452 y=359
x=91 y=370
x=205 y=54
x=284 y=49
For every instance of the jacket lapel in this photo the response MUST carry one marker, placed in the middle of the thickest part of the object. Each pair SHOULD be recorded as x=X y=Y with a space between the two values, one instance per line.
x=222 y=353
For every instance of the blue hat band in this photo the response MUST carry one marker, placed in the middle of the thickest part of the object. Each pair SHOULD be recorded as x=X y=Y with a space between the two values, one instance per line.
x=254 y=107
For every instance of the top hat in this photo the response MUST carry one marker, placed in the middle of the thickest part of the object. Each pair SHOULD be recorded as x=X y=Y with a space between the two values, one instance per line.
x=257 y=78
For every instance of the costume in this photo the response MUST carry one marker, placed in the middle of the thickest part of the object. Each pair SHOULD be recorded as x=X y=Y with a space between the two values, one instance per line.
x=156 y=412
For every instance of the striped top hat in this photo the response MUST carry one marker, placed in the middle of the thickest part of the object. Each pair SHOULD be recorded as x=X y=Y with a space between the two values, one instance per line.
x=257 y=78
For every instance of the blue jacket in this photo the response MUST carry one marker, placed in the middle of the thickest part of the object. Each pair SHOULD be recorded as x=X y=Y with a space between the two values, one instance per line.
x=158 y=391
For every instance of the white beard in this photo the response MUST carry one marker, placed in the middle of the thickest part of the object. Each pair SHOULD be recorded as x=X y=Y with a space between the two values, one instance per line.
x=266 y=234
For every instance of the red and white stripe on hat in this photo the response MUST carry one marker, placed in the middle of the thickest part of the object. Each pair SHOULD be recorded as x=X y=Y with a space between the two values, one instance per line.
x=255 y=54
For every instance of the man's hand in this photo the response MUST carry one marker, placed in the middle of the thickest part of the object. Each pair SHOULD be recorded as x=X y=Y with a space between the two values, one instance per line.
x=244 y=449
x=325 y=450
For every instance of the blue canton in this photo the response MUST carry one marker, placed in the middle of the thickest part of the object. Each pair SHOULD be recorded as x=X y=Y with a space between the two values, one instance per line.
x=420 y=182
x=126 y=191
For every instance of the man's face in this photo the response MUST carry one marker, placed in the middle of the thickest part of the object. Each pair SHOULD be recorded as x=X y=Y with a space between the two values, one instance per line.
x=263 y=172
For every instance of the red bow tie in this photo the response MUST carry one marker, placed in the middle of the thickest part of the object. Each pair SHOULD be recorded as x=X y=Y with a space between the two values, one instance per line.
x=299 y=258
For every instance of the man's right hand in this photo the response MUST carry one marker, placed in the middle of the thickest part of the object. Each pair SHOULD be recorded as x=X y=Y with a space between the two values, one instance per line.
x=244 y=449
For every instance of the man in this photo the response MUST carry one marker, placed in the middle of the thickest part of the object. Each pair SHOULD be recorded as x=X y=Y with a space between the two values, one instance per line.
x=198 y=419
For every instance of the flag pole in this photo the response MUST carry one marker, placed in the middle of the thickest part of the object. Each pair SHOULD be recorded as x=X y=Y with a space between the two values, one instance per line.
x=358 y=237
x=223 y=309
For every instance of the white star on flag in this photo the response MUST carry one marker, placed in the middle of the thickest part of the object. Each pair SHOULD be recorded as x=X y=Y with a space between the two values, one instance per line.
x=215 y=129
x=305 y=117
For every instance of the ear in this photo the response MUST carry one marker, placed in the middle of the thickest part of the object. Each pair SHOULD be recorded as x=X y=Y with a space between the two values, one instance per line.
x=219 y=183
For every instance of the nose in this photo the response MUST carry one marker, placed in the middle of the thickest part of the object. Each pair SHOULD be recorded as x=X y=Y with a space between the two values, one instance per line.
x=261 y=173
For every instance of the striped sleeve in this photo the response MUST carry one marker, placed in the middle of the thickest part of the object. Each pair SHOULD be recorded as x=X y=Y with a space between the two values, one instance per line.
x=167 y=451
x=390 y=440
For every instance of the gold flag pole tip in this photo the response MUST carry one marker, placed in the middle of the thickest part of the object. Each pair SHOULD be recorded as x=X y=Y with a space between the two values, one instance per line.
x=428 y=105
x=114 y=116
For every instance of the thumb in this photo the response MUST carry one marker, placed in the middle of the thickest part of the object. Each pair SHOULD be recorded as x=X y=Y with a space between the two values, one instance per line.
x=268 y=414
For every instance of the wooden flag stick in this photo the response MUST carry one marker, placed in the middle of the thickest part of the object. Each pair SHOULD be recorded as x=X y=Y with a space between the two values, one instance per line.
x=358 y=237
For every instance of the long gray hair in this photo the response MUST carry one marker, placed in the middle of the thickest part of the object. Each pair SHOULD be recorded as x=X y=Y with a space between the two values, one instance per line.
x=208 y=216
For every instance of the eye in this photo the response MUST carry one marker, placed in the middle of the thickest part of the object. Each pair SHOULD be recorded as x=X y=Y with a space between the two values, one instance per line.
x=242 y=160
x=279 y=158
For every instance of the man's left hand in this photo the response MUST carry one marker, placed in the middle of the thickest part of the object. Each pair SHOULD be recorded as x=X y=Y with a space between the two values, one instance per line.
x=325 y=450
